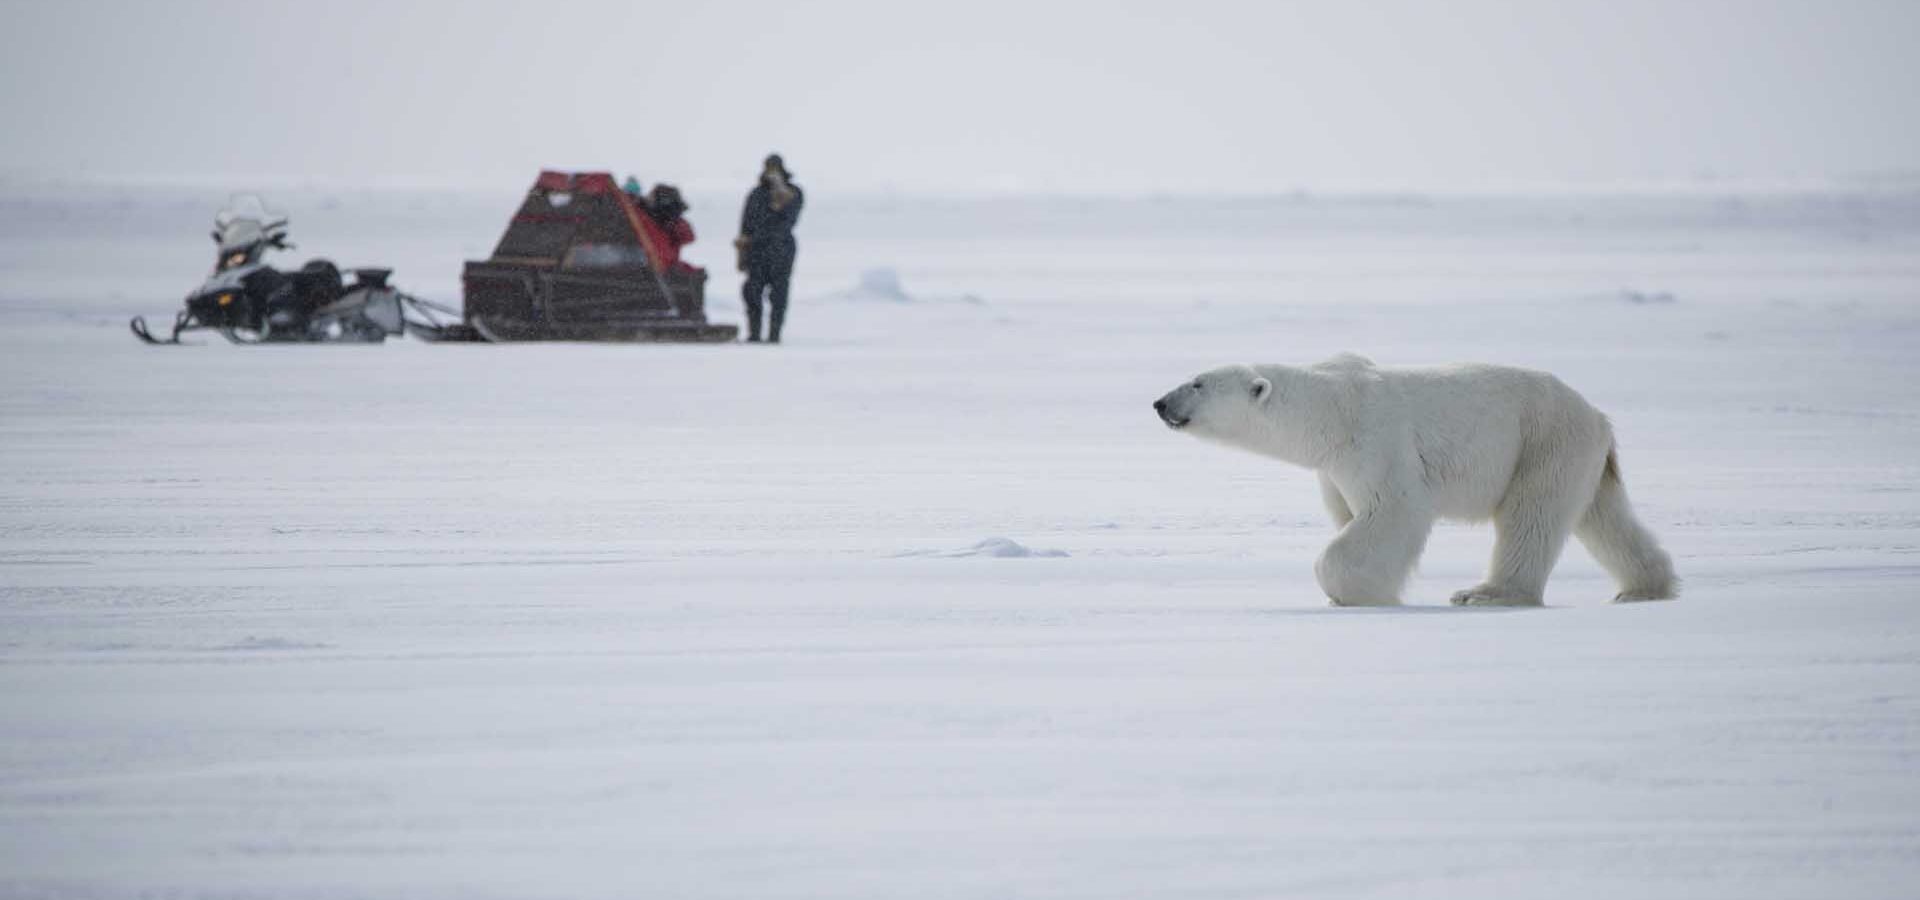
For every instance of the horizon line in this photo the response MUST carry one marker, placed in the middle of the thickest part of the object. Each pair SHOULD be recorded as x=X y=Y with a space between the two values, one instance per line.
x=1876 y=182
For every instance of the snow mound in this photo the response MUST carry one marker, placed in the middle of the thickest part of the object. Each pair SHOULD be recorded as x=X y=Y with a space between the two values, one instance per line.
x=996 y=548
x=880 y=284
x=1647 y=298
x=251 y=643
x=883 y=285
x=1007 y=548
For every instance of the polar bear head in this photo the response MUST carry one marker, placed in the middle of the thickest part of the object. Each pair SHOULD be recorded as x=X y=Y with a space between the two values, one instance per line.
x=1225 y=404
x=1305 y=416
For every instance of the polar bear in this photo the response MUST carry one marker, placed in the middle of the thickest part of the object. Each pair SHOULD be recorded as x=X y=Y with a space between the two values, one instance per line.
x=1398 y=448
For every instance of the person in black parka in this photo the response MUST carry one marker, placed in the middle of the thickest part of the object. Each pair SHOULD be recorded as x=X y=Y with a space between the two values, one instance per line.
x=766 y=245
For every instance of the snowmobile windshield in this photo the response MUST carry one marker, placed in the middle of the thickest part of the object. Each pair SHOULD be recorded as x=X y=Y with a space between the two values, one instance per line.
x=246 y=222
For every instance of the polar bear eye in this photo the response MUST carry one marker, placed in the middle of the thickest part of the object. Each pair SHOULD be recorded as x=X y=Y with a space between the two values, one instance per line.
x=1198 y=386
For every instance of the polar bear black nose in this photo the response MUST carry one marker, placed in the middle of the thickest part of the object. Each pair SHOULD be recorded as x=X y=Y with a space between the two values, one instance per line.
x=1159 y=406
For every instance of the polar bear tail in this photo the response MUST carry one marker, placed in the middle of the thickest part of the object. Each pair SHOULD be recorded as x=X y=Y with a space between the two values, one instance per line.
x=1623 y=546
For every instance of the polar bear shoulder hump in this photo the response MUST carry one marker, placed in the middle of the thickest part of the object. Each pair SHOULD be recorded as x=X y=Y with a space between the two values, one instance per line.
x=1345 y=362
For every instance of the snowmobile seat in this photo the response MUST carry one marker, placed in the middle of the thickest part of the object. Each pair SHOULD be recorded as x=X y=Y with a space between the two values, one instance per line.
x=317 y=284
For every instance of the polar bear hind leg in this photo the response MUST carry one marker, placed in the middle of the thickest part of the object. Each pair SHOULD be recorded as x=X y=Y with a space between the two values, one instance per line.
x=1622 y=545
x=1544 y=499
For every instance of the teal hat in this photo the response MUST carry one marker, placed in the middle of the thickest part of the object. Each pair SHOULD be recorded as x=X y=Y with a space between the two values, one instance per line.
x=631 y=185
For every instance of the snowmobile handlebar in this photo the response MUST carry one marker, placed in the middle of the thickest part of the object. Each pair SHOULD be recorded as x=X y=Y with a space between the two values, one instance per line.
x=278 y=241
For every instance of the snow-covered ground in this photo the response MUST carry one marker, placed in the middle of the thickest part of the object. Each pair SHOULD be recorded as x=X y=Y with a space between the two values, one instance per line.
x=926 y=603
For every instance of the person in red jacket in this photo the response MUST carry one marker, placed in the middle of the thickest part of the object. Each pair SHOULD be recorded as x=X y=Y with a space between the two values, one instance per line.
x=666 y=212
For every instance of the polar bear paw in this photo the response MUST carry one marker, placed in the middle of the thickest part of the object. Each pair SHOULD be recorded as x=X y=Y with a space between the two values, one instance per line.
x=1355 y=601
x=1643 y=596
x=1492 y=595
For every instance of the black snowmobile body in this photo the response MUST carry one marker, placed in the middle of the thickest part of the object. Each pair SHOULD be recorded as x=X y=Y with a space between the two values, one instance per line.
x=251 y=302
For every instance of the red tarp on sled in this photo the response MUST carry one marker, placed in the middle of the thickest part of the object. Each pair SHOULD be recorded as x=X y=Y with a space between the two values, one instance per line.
x=606 y=215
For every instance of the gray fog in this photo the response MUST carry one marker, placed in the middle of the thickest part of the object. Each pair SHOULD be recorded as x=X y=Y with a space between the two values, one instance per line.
x=1093 y=97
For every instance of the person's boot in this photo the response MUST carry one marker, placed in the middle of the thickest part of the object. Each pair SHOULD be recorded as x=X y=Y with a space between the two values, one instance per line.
x=752 y=303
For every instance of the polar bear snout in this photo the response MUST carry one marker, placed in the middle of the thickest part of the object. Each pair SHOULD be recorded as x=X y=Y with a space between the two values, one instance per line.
x=1163 y=407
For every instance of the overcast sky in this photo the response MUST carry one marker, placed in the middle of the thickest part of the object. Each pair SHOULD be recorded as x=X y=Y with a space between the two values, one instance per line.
x=963 y=96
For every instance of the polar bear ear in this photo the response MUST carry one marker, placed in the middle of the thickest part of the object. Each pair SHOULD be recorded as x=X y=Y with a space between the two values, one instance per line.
x=1262 y=389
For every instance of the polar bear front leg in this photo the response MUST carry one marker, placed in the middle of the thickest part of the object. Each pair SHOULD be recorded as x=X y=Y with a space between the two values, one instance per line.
x=1335 y=502
x=1369 y=561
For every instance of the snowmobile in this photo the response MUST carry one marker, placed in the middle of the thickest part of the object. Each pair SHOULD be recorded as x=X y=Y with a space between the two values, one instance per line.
x=251 y=302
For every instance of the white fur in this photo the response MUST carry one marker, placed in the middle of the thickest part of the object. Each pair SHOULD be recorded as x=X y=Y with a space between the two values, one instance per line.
x=1398 y=448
